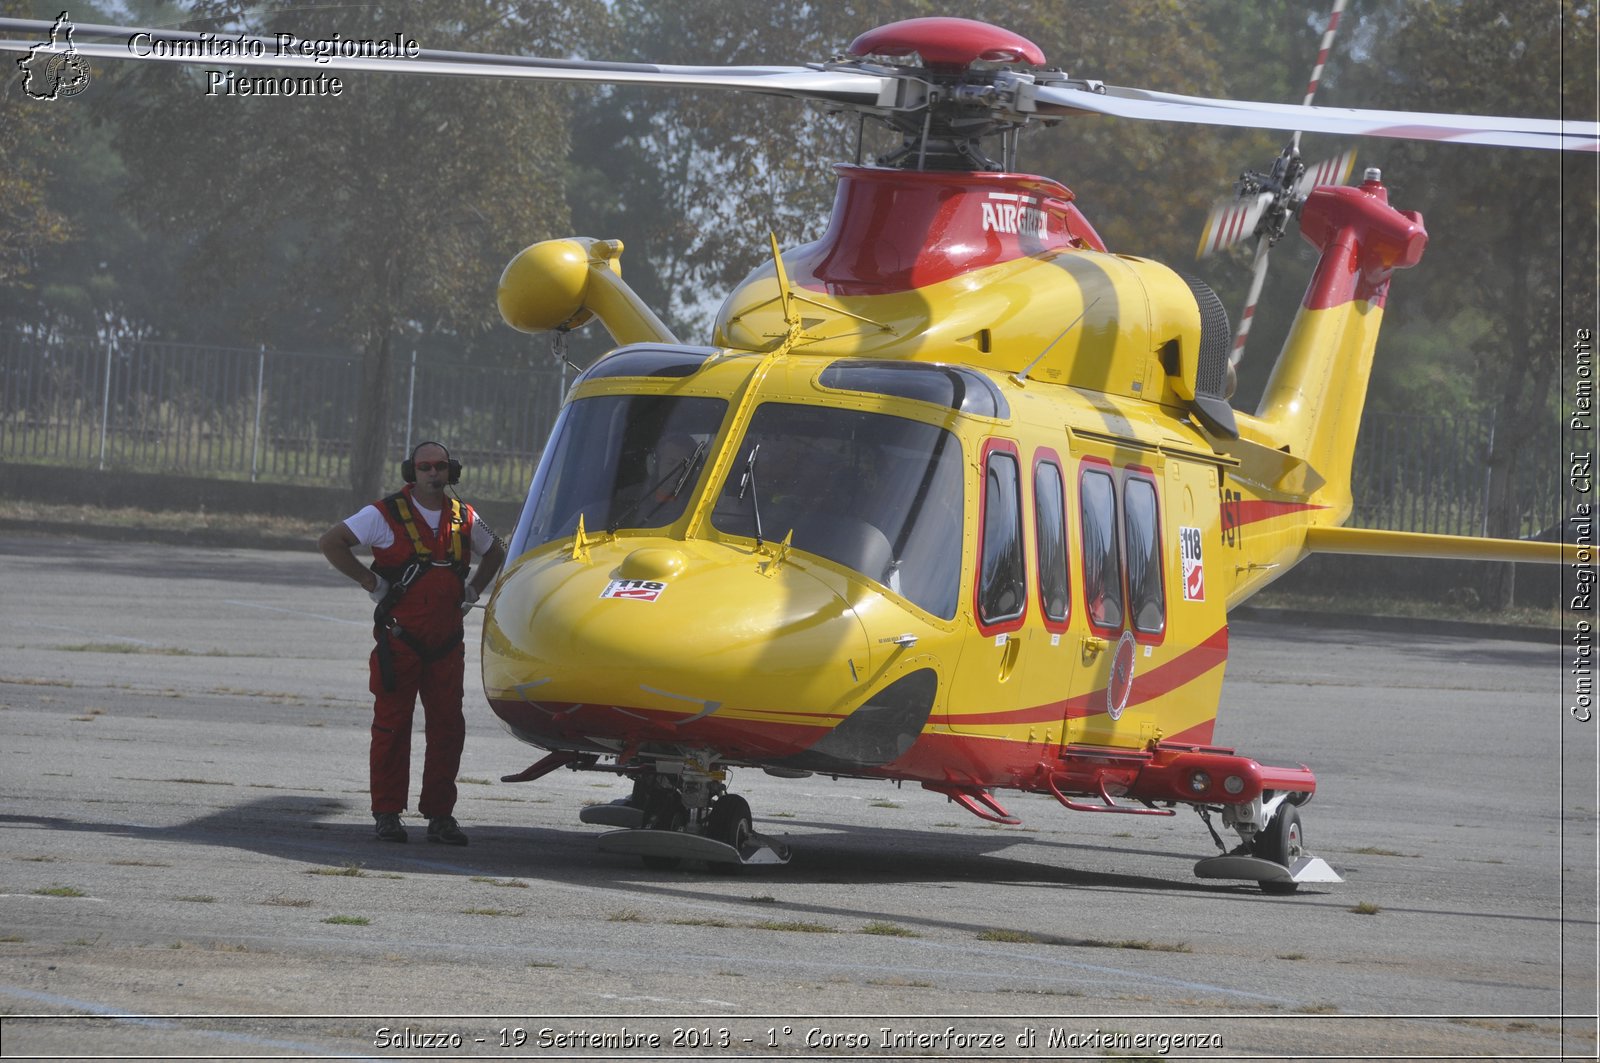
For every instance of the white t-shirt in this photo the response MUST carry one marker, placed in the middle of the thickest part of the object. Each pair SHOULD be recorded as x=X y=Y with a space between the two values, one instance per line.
x=371 y=529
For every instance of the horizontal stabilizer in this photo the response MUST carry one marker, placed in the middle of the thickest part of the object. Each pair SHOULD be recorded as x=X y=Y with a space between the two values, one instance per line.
x=1376 y=543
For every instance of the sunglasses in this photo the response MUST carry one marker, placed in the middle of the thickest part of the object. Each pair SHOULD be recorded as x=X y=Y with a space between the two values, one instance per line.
x=429 y=466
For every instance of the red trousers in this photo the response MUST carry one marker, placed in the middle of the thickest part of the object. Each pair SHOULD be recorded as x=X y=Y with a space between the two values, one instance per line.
x=444 y=727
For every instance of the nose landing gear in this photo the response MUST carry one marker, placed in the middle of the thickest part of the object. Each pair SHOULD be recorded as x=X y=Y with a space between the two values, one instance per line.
x=682 y=810
x=1272 y=848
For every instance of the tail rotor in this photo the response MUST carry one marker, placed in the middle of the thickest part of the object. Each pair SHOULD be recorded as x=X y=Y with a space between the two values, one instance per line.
x=1263 y=204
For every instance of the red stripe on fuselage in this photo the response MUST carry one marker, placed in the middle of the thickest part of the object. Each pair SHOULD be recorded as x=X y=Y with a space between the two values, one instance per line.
x=1253 y=511
x=1164 y=679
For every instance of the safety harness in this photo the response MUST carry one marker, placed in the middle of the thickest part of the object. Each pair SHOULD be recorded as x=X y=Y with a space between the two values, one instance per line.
x=457 y=557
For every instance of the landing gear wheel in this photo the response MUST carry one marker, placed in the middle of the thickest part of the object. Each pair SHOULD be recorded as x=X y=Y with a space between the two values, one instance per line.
x=1283 y=843
x=663 y=811
x=729 y=823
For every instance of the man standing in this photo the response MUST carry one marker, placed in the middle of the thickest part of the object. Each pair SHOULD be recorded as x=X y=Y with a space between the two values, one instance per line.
x=422 y=541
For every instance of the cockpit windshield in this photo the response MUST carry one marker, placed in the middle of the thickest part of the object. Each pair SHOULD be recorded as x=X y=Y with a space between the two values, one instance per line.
x=619 y=461
x=878 y=494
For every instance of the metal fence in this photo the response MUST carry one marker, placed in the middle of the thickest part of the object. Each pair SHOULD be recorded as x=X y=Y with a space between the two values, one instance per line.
x=1431 y=474
x=261 y=415
x=277 y=416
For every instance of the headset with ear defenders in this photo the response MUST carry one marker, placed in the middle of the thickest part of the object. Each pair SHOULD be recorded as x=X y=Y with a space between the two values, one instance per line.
x=408 y=467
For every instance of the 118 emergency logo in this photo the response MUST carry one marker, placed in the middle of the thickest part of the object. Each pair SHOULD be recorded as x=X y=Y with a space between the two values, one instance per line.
x=1194 y=571
x=638 y=590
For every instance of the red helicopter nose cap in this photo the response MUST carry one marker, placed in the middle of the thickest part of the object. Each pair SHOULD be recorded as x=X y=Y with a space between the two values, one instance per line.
x=948 y=42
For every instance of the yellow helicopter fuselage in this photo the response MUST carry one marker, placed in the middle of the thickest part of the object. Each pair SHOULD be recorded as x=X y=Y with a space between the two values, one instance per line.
x=944 y=508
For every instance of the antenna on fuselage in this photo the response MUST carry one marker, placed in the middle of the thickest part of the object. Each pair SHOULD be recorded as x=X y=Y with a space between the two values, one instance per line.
x=1022 y=376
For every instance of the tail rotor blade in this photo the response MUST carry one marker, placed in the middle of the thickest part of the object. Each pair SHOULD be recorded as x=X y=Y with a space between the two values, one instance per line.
x=1334 y=171
x=1231 y=221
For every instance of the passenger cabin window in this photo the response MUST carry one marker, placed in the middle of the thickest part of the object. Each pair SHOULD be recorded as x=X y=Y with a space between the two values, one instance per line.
x=1050 y=526
x=1102 y=565
x=1145 y=589
x=1002 y=583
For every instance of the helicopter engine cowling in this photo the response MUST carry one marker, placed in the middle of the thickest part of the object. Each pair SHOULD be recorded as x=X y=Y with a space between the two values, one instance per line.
x=998 y=271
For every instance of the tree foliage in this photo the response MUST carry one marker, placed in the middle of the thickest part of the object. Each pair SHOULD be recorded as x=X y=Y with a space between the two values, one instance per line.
x=32 y=139
x=1512 y=232
x=373 y=216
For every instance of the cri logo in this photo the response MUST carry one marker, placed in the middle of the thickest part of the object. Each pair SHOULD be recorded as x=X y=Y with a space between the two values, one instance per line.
x=1120 y=683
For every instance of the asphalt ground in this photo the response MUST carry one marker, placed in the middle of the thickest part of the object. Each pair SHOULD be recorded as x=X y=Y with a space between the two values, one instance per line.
x=186 y=865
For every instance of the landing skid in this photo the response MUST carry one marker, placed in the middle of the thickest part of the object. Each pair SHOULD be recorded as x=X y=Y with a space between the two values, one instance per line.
x=1255 y=869
x=758 y=849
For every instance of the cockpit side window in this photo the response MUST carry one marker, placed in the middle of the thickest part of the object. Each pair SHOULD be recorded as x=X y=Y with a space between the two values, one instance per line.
x=878 y=494
x=619 y=461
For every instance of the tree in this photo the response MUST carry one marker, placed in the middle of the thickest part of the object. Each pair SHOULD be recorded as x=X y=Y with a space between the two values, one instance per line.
x=31 y=138
x=1513 y=261
x=384 y=212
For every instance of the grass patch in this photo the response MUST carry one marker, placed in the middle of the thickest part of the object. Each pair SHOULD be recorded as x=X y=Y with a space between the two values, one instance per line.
x=473 y=782
x=782 y=815
x=900 y=983
x=1291 y=955
x=1135 y=944
x=280 y=901
x=888 y=930
x=12 y=939
x=139 y=863
x=794 y=927
x=39 y=859
x=1366 y=908
x=887 y=804
x=1430 y=609
x=627 y=915
x=490 y=911
x=348 y=920
x=198 y=898
x=719 y=923
x=1373 y=850
x=542 y=963
x=504 y=883
x=762 y=898
x=59 y=891
x=350 y=870
x=1317 y=1009
x=145 y=651
x=1009 y=937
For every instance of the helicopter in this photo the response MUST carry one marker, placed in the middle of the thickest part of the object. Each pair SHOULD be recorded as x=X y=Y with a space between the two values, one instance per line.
x=955 y=496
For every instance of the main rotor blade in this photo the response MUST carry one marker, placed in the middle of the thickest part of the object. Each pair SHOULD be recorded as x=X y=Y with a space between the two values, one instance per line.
x=839 y=86
x=1153 y=106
